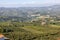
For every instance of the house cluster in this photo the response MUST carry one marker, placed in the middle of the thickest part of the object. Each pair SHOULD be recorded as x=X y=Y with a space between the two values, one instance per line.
x=44 y=19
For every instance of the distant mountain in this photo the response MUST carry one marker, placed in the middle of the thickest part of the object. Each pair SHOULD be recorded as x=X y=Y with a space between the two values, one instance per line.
x=25 y=11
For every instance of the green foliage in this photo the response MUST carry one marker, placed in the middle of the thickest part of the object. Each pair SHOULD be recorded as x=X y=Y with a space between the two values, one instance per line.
x=29 y=31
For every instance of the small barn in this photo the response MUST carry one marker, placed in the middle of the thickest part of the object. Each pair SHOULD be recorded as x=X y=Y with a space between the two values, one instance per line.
x=2 y=37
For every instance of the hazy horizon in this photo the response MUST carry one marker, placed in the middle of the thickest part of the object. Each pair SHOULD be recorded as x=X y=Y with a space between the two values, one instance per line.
x=28 y=3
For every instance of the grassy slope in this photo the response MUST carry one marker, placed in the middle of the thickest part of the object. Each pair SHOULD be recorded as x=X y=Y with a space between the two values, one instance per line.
x=50 y=32
x=53 y=31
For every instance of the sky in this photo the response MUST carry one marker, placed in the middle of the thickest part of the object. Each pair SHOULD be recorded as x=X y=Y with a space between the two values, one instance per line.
x=27 y=3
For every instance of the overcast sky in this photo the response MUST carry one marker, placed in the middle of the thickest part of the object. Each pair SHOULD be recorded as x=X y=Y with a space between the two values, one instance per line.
x=27 y=3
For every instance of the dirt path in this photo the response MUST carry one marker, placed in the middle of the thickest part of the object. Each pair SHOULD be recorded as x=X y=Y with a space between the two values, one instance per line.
x=55 y=26
x=58 y=38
